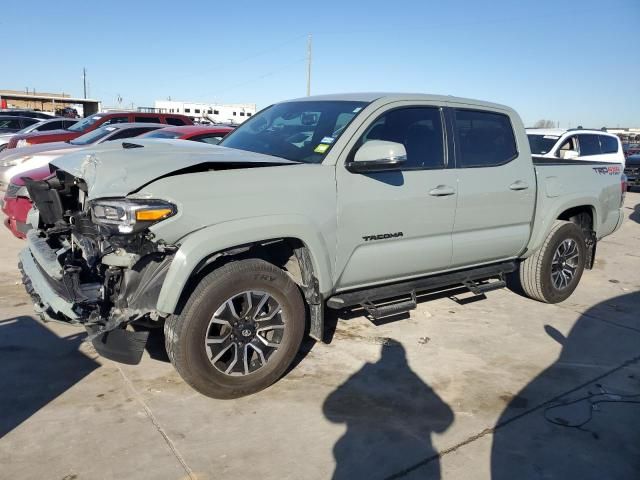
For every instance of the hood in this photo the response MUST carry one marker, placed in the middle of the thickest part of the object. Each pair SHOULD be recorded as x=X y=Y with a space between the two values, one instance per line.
x=117 y=168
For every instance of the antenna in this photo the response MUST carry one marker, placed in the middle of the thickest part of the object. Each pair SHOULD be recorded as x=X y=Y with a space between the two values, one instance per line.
x=309 y=39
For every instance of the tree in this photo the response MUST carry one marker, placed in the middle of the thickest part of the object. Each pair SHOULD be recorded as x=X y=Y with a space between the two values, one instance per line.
x=544 y=124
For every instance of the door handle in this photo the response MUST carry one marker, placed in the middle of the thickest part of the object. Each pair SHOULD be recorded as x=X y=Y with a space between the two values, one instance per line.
x=442 y=191
x=519 y=185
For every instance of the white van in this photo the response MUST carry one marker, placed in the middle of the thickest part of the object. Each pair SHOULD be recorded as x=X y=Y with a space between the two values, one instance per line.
x=576 y=143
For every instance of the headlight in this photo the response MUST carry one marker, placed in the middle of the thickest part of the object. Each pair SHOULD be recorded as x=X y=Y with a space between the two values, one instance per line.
x=23 y=142
x=130 y=216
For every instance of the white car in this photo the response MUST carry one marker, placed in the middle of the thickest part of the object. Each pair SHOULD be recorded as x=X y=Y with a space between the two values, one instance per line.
x=576 y=144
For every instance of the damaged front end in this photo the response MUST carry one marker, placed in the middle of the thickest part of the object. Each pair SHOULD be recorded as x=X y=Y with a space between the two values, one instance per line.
x=95 y=263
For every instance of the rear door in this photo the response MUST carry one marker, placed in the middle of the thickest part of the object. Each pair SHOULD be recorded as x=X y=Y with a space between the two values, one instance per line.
x=397 y=224
x=496 y=186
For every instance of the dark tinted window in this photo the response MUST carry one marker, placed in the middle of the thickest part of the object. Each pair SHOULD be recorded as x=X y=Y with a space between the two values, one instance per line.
x=211 y=138
x=147 y=119
x=485 y=139
x=608 y=144
x=68 y=123
x=418 y=129
x=10 y=123
x=50 y=126
x=29 y=121
x=589 y=145
x=131 y=132
x=174 y=121
x=113 y=120
x=187 y=110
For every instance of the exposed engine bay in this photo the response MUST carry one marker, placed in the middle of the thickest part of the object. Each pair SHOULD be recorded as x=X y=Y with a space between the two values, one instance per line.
x=100 y=262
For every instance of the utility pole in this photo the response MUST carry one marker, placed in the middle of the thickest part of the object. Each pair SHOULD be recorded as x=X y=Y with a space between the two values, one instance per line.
x=309 y=65
x=84 y=80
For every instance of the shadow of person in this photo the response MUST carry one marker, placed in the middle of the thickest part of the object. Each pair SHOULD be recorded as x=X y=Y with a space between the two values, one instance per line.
x=390 y=414
x=580 y=417
x=37 y=366
x=635 y=215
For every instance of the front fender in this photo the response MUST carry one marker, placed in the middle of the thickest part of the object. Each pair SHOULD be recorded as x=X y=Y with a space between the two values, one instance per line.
x=202 y=244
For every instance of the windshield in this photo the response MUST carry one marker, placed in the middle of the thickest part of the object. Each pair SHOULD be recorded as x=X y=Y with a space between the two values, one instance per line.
x=541 y=144
x=161 y=134
x=298 y=131
x=85 y=123
x=93 y=136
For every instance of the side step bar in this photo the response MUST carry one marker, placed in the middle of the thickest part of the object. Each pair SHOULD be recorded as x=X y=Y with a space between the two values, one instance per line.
x=467 y=278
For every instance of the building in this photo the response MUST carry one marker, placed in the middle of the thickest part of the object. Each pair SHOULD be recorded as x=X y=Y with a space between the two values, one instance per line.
x=47 y=102
x=213 y=112
x=626 y=134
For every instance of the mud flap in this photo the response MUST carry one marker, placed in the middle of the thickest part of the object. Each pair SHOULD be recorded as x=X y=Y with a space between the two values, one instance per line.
x=121 y=345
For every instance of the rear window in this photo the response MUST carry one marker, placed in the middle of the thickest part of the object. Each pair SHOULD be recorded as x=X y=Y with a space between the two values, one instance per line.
x=589 y=145
x=485 y=139
x=175 y=121
x=608 y=144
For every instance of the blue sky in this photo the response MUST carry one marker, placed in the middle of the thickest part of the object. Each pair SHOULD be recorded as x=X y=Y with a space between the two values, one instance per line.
x=576 y=62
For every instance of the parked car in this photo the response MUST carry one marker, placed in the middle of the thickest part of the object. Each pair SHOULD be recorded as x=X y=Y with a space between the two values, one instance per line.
x=576 y=144
x=15 y=161
x=631 y=149
x=16 y=203
x=211 y=134
x=333 y=201
x=13 y=124
x=40 y=126
x=632 y=171
x=88 y=124
x=25 y=113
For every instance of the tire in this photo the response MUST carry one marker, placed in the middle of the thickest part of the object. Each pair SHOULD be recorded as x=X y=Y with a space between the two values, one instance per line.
x=214 y=300
x=535 y=272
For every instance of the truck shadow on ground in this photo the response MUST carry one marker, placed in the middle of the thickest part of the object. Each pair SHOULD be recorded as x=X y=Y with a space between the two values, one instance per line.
x=390 y=414
x=37 y=367
x=580 y=417
x=635 y=215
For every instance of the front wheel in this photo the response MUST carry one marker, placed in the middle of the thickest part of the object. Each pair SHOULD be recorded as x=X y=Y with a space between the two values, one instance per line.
x=239 y=330
x=553 y=272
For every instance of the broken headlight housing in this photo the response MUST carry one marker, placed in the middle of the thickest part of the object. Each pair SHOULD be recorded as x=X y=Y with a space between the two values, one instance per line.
x=130 y=216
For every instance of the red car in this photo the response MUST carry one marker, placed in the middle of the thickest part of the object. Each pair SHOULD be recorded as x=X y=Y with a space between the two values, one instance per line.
x=94 y=121
x=198 y=133
x=16 y=204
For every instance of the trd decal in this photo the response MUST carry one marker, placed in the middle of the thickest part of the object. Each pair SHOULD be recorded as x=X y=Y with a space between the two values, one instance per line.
x=613 y=170
x=381 y=236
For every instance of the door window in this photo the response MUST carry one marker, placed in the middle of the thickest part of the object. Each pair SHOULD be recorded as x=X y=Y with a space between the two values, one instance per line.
x=485 y=139
x=174 y=121
x=50 y=126
x=419 y=129
x=113 y=120
x=568 y=145
x=147 y=119
x=589 y=145
x=608 y=144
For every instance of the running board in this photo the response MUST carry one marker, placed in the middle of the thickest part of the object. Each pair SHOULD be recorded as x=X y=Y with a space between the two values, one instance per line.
x=396 y=307
x=467 y=278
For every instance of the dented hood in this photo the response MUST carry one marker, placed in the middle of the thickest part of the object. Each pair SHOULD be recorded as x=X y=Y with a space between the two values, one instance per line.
x=117 y=168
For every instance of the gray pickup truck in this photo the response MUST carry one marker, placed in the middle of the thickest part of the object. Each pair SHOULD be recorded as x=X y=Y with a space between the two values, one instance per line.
x=322 y=202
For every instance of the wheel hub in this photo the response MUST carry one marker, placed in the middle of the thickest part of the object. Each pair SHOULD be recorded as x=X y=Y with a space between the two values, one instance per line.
x=244 y=332
x=565 y=264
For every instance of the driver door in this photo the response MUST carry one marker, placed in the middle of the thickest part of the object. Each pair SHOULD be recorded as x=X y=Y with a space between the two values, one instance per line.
x=397 y=224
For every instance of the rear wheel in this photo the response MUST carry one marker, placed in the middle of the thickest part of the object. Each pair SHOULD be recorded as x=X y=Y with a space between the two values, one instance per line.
x=239 y=330
x=552 y=273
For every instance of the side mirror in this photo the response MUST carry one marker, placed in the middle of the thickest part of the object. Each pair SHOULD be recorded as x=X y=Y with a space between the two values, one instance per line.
x=378 y=156
x=569 y=154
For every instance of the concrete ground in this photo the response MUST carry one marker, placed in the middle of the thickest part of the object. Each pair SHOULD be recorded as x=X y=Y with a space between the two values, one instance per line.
x=501 y=388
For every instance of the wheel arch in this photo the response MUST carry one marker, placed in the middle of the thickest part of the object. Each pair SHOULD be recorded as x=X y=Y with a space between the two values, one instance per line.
x=293 y=245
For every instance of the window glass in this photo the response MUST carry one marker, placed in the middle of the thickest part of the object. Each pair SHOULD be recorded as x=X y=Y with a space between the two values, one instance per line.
x=541 y=144
x=299 y=131
x=210 y=138
x=130 y=132
x=10 y=124
x=147 y=119
x=55 y=125
x=68 y=123
x=93 y=136
x=418 y=129
x=187 y=110
x=485 y=139
x=113 y=120
x=589 y=145
x=174 y=121
x=162 y=134
x=608 y=144
x=197 y=110
x=216 y=112
x=30 y=121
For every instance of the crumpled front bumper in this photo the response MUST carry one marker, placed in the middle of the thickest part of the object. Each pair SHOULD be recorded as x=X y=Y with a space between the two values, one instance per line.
x=54 y=301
